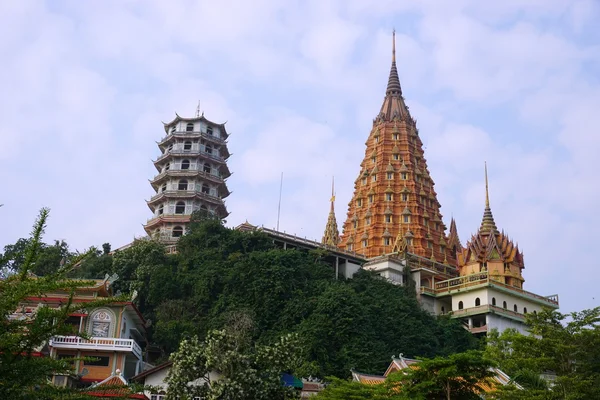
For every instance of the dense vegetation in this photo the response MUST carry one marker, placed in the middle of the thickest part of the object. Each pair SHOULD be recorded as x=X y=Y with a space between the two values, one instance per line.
x=358 y=323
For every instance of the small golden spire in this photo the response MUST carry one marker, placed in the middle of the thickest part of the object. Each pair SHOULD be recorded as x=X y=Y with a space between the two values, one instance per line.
x=332 y=200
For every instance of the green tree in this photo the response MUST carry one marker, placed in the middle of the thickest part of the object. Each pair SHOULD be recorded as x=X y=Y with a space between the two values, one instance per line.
x=460 y=376
x=24 y=370
x=48 y=260
x=567 y=345
x=228 y=365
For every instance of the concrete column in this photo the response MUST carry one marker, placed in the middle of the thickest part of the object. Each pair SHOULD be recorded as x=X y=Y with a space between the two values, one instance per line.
x=337 y=266
x=470 y=323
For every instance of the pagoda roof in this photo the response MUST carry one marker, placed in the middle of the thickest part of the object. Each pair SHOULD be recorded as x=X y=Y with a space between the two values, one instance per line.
x=202 y=118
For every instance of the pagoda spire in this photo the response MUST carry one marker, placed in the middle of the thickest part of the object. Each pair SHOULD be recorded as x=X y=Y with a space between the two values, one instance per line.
x=487 y=223
x=393 y=104
x=331 y=236
x=393 y=87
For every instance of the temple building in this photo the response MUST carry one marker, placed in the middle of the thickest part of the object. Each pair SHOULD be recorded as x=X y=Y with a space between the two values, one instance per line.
x=192 y=170
x=394 y=227
x=394 y=203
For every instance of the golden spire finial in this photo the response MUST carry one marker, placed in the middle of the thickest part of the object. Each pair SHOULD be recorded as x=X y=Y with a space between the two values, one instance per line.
x=332 y=192
x=487 y=195
x=394 y=45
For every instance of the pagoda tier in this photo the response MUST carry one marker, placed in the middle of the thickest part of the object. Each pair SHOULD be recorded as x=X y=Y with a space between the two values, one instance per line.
x=394 y=206
x=331 y=236
x=492 y=251
x=192 y=170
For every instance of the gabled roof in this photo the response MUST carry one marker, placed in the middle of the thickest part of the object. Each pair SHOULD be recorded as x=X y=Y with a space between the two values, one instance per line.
x=160 y=367
x=398 y=364
x=114 y=386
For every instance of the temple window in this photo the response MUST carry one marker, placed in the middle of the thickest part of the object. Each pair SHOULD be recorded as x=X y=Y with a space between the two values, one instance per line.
x=506 y=267
x=205 y=188
x=180 y=207
x=504 y=305
x=207 y=168
x=442 y=249
x=386 y=241
x=187 y=146
x=524 y=310
x=182 y=185
x=101 y=323
x=170 y=148
x=516 y=308
x=209 y=149
x=460 y=305
x=406 y=218
x=483 y=266
x=167 y=166
x=364 y=181
x=163 y=188
x=493 y=301
x=209 y=130
x=177 y=231
x=404 y=176
x=349 y=247
x=429 y=245
x=161 y=209
x=355 y=224
x=173 y=128
x=396 y=156
x=359 y=202
x=368 y=221
x=373 y=178
x=477 y=302
x=376 y=139
x=373 y=159
x=388 y=218
x=185 y=164
x=365 y=242
x=390 y=176
x=99 y=361
x=395 y=136
x=388 y=196
x=371 y=198
x=404 y=196
x=189 y=127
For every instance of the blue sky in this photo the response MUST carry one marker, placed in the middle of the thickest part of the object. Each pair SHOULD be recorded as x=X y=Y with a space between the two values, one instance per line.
x=85 y=86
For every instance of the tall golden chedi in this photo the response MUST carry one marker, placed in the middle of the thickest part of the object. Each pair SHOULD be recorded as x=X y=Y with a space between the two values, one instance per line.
x=394 y=206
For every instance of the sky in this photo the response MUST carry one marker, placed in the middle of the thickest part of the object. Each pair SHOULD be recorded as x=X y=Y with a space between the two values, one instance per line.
x=86 y=85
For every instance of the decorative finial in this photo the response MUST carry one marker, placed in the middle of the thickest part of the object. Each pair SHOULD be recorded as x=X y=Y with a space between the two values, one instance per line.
x=198 y=110
x=394 y=45
x=487 y=195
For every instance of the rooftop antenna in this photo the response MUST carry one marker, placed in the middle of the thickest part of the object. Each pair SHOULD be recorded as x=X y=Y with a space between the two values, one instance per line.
x=198 y=110
x=279 y=205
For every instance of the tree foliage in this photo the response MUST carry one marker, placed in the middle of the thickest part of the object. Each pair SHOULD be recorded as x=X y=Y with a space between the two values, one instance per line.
x=342 y=324
x=227 y=365
x=24 y=368
x=567 y=345
x=461 y=376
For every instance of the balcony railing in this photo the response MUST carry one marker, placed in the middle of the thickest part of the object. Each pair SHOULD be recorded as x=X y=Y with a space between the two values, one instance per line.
x=96 y=343
x=482 y=278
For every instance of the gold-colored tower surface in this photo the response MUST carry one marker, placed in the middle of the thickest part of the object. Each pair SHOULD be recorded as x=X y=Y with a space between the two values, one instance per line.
x=331 y=237
x=394 y=206
x=492 y=251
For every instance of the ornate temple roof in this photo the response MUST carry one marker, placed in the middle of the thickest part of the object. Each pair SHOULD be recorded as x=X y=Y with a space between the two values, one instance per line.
x=331 y=237
x=394 y=206
x=489 y=244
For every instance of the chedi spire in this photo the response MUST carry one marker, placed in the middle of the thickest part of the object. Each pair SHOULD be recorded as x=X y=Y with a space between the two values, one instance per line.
x=331 y=237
